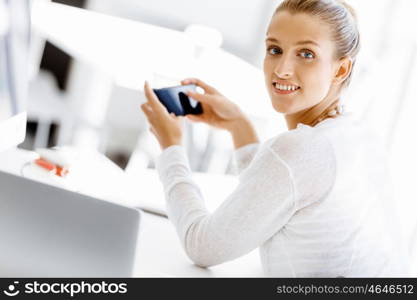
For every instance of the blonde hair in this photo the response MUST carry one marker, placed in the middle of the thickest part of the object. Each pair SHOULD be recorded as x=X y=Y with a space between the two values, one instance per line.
x=342 y=21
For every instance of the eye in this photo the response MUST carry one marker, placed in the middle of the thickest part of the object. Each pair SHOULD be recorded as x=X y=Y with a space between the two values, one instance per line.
x=308 y=54
x=272 y=50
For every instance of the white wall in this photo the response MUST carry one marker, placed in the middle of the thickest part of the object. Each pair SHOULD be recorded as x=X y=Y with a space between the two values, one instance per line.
x=242 y=23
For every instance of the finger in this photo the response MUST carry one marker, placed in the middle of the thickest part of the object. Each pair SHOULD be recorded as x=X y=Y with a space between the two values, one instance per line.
x=147 y=110
x=188 y=81
x=207 y=88
x=151 y=129
x=152 y=98
x=145 y=107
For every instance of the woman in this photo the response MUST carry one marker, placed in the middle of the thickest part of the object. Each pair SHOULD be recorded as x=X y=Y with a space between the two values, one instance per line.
x=311 y=198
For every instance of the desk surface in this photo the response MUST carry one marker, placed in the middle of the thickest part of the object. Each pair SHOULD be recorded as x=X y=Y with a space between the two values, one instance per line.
x=159 y=252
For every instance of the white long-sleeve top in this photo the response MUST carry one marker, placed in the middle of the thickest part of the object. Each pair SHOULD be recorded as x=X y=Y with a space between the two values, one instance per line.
x=315 y=200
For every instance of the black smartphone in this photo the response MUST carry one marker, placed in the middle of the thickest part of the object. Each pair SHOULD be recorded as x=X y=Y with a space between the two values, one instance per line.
x=176 y=100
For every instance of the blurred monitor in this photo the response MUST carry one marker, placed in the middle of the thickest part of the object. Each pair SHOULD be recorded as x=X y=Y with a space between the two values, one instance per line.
x=14 y=47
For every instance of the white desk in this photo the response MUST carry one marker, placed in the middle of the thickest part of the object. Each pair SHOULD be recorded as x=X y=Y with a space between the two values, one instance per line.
x=159 y=251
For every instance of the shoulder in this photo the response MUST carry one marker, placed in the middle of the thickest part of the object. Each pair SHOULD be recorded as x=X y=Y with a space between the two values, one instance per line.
x=302 y=144
x=310 y=158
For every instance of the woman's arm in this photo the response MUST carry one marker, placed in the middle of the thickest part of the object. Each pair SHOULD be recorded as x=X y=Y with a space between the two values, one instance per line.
x=246 y=143
x=243 y=156
x=262 y=203
x=243 y=132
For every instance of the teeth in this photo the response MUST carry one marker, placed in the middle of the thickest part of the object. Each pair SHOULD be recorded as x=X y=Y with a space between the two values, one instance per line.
x=286 y=87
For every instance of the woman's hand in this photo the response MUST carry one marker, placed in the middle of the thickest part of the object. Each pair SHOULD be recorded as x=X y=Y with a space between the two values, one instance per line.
x=222 y=113
x=166 y=127
x=218 y=111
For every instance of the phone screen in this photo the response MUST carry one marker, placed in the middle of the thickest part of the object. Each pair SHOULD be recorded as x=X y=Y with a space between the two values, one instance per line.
x=176 y=100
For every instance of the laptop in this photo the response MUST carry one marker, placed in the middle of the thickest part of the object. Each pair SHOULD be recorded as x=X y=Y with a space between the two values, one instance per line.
x=48 y=231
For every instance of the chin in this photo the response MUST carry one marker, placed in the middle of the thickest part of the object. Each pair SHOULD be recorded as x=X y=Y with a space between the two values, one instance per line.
x=283 y=108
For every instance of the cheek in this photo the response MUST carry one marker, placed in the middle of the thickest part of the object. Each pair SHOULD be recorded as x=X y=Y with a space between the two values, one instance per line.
x=267 y=68
x=316 y=81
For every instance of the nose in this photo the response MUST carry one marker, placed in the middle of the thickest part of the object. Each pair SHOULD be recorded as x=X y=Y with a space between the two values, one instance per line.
x=284 y=67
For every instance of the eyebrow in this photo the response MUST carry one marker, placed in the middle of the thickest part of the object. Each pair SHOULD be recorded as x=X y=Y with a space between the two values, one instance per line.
x=270 y=39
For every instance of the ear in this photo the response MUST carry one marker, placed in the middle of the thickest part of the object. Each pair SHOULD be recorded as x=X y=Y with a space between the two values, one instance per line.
x=344 y=67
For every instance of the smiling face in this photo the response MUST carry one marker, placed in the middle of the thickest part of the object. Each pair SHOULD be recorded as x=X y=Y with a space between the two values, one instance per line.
x=299 y=64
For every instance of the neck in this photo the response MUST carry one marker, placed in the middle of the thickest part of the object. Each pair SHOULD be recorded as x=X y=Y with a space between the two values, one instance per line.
x=313 y=115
